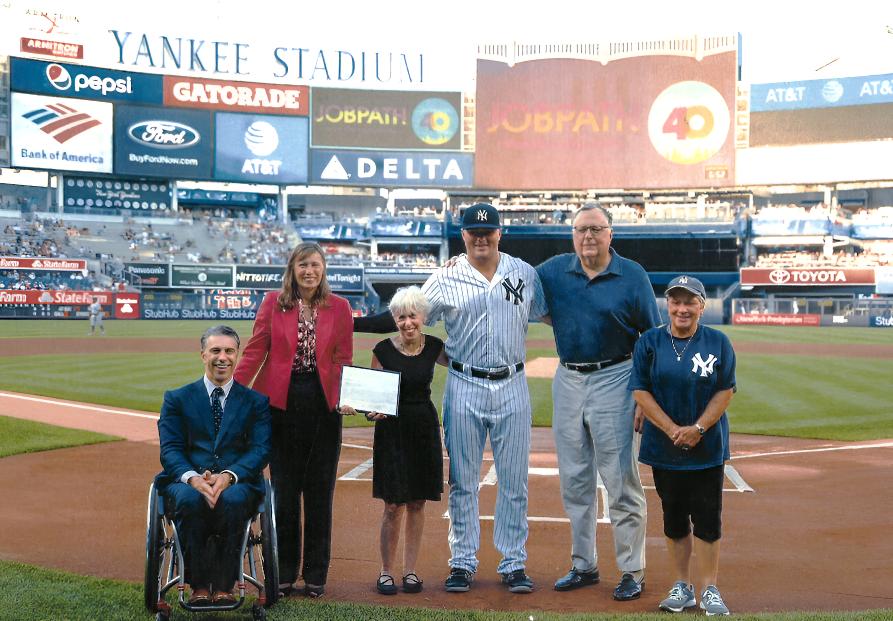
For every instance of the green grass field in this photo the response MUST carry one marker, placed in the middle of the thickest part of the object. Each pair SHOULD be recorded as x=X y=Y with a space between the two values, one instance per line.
x=800 y=396
x=24 y=436
x=29 y=593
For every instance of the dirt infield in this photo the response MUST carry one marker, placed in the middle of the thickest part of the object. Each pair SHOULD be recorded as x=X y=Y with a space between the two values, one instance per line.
x=814 y=534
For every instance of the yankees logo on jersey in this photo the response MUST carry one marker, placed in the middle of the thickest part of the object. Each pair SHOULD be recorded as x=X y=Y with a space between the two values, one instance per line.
x=515 y=293
x=706 y=366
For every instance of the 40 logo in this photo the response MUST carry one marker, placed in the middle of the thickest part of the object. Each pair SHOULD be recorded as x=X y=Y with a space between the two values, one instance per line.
x=688 y=122
x=435 y=121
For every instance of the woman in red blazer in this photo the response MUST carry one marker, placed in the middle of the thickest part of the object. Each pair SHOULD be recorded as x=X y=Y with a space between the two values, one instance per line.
x=302 y=336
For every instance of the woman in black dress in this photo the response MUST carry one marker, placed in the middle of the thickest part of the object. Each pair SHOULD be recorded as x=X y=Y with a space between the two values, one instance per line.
x=407 y=455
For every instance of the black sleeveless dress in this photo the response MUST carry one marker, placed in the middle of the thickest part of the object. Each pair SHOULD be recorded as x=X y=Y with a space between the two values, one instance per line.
x=407 y=456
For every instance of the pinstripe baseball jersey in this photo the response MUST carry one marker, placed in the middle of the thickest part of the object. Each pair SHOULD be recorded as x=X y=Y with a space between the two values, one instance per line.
x=486 y=321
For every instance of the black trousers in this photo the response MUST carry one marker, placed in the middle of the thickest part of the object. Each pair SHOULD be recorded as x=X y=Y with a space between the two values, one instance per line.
x=303 y=466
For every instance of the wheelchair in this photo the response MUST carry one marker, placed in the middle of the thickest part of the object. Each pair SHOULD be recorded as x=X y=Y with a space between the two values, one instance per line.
x=258 y=560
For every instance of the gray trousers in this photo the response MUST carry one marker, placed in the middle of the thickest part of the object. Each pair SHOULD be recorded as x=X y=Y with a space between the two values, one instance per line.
x=592 y=420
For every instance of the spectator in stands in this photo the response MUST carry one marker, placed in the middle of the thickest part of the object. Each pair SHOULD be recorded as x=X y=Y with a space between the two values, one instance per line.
x=685 y=438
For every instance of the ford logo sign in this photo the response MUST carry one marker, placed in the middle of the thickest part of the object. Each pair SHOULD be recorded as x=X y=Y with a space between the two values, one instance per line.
x=163 y=134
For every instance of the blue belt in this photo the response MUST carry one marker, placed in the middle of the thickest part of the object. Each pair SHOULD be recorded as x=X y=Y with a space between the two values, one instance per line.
x=496 y=374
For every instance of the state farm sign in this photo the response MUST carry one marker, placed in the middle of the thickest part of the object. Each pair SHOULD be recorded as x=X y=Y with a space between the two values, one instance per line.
x=54 y=297
x=21 y=263
x=810 y=276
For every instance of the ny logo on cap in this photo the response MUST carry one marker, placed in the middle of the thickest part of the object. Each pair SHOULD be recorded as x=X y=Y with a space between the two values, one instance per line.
x=683 y=280
x=482 y=215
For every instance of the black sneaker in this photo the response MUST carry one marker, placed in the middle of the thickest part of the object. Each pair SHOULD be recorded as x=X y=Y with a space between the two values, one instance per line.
x=518 y=582
x=459 y=580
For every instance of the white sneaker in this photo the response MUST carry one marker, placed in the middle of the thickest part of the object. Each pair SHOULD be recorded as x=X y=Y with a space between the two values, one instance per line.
x=681 y=597
x=711 y=602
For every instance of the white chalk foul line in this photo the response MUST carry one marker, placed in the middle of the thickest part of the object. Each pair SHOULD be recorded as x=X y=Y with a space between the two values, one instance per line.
x=77 y=406
x=820 y=450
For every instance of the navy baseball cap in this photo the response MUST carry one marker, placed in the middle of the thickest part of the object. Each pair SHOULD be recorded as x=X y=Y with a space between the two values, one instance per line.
x=689 y=284
x=481 y=216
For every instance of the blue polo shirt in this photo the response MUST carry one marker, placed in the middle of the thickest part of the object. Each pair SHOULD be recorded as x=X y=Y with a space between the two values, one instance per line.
x=600 y=318
x=683 y=388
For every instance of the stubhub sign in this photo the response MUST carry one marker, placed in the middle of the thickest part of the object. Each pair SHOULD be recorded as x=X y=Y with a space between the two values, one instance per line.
x=390 y=168
x=260 y=148
x=61 y=79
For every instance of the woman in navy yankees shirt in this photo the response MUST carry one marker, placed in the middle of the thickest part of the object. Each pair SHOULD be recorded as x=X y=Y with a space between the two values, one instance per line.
x=684 y=378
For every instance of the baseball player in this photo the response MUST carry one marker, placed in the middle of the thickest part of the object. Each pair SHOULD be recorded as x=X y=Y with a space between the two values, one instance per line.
x=485 y=300
x=96 y=314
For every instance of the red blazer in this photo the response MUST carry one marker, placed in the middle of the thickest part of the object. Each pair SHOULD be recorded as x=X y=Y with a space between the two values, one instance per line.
x=271 y=351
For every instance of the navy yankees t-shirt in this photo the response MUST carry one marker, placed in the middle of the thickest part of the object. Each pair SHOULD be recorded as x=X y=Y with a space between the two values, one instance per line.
x=683 y=381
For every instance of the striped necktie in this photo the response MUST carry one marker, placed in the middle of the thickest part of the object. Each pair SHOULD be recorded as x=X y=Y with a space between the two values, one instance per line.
x=217 y=409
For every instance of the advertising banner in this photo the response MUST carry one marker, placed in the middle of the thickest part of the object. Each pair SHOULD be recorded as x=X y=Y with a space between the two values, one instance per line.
x=861 y=90
x=60 y=79
x=236 y=96
x=259 y=148
x=209 y=306
x=364 y=119
x=163 y=142
x=389 y=168
x=776 y=320
x=343 y=279
x=878 y=321
x=259 y=276
x=640 y=122
x=54 y=297
x=61 y=265
x=121 y=194
x=212 y=276
x=851 y=321
x=61 y=134
x=127 y=306
x=52 y=48
x=807 y=276
x=150 y=274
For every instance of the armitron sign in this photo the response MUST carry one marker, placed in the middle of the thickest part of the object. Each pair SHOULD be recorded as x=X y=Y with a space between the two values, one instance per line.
x=809 y=276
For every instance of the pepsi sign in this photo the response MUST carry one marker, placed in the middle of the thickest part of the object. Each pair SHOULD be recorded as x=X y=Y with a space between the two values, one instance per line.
x=66 y=80
x=163 y=142
x=261 y=148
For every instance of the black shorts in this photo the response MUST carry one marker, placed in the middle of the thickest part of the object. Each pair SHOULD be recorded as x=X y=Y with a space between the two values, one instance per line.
x=691 y=498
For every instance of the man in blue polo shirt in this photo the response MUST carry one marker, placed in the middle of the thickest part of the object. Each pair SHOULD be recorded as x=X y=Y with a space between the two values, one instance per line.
x=599 y=304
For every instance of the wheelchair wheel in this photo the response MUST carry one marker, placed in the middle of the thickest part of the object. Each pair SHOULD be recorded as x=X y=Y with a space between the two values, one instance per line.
x=269 y=549
x=154 y=553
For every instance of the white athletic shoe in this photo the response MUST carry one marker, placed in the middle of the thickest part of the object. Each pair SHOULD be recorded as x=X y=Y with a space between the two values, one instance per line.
x=681 y=597
x=711 y=602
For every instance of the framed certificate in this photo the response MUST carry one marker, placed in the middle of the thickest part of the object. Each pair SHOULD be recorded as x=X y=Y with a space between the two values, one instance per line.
x=370 y=390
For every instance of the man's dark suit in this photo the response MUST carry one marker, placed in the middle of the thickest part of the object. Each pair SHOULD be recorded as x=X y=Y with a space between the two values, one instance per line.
x=186 y=430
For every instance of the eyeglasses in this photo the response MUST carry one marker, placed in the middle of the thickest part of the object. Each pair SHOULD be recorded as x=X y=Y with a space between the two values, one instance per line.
x=595 y=230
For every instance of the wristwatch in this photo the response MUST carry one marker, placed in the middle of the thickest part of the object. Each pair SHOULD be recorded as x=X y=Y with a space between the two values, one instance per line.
x=232 y=477
x=701 y=430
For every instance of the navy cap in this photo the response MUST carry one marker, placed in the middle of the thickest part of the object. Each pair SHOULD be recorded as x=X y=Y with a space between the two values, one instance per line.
x=689 y=284
x=481 y=216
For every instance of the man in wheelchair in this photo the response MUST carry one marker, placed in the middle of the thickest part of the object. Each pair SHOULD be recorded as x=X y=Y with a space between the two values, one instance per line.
x=215 y=443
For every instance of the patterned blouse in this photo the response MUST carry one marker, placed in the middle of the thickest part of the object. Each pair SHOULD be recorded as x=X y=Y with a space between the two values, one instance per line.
x=305 y=355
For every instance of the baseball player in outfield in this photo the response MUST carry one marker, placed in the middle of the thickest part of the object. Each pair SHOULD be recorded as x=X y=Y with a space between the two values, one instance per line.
x=96 y=314
x=485 y=300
